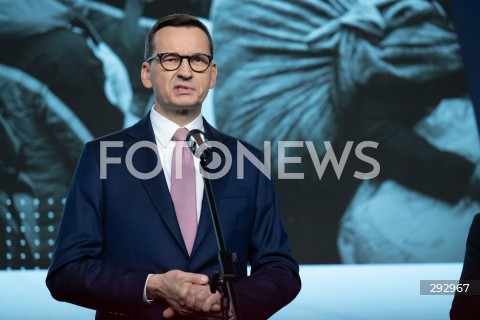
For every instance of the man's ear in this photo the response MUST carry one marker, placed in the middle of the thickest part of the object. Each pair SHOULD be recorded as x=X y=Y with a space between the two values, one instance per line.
x=145 y=75
x=213 y=79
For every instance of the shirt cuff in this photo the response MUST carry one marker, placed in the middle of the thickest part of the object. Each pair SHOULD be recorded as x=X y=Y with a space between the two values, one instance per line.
x=145 y=300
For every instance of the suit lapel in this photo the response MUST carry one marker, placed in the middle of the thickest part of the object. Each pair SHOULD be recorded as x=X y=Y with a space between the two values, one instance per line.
x=204 y=224
x=218 y=186
x=144 y=161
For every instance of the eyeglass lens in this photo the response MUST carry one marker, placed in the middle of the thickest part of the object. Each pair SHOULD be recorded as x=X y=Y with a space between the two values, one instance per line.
x=198 y=62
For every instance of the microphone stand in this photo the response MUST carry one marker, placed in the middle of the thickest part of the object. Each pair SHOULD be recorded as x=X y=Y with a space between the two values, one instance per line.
x=223 y=281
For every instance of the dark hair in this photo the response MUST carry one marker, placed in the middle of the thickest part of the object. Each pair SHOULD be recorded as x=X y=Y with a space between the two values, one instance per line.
x=175 y=20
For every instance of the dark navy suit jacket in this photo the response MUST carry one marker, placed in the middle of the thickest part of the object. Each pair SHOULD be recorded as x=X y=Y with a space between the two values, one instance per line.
x=465 y=307
x=116 y=231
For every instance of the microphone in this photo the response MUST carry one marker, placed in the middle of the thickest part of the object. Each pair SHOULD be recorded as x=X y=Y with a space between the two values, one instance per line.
x=198 y=144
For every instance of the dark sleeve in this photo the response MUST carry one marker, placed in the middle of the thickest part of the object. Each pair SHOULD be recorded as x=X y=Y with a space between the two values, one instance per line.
x=68 y=144
x=9 y=160
x=274 y=281
x=412 y=161
x=78 y=273
x=387 y=115
x=12 y=162
x=466 y=307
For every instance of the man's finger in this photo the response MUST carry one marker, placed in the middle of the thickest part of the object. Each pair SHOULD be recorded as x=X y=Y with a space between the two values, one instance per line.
x=183 y=292
x=168 y=313
x=196 y=297
x=194 y=278
x=212 y=301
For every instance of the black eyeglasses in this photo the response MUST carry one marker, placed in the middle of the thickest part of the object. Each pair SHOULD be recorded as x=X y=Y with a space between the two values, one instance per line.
x=199 y=62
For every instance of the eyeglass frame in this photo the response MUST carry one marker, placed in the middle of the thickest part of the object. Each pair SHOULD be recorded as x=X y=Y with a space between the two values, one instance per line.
x=160 y=55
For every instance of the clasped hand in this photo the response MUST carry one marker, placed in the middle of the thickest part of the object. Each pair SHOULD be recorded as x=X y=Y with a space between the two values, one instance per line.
x=187 y=294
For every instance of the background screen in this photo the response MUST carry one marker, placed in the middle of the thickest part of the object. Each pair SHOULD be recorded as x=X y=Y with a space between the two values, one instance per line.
x=365 y=106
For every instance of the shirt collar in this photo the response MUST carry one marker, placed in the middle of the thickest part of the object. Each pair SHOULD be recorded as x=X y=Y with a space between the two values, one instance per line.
x=164 y=128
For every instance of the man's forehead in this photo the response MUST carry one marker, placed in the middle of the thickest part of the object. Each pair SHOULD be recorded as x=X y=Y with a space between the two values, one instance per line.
x=182 y=38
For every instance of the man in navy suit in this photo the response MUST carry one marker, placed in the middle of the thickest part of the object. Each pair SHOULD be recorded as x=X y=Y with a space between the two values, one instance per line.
x=466 y=307
x=120 y=249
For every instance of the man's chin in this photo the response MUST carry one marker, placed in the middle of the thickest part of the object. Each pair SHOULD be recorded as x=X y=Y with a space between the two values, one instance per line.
x=187 y=103
x=188 y=108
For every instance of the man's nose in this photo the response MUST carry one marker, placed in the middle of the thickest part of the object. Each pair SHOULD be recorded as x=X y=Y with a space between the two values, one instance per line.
x=185 y=71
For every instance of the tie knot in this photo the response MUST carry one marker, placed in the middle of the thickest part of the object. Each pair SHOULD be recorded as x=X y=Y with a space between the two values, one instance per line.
x=181 y=134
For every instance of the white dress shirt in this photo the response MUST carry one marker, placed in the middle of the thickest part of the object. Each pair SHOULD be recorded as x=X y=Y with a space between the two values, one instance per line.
x=164 y=130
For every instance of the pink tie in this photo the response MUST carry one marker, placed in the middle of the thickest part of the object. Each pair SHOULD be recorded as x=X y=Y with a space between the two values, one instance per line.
x=183 y=188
